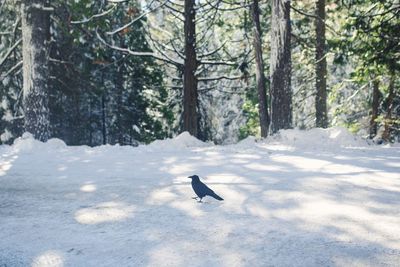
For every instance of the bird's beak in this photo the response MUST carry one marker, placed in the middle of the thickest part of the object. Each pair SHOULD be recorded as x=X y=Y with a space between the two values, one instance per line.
x=190 y=177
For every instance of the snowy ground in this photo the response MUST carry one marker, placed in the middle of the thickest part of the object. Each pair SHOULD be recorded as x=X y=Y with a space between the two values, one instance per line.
x=317 y=198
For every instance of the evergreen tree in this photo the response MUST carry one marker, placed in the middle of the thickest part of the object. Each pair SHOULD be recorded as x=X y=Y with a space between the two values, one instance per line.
x=35 y=36
x=260 y=76
x=280 y=66
x=11 y=112
x=321 y=112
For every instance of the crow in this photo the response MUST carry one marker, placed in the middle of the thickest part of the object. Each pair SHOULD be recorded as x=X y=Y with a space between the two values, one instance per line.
x=201 y=189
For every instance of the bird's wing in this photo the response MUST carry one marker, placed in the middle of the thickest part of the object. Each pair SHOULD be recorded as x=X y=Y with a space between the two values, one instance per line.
x=205 y=189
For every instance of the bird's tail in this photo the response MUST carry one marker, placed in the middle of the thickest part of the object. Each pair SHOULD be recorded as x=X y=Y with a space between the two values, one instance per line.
x=216 y=196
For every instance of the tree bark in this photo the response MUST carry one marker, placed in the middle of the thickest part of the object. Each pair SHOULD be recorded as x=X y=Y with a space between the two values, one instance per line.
x=376 y=95
x=260 y=76
x=190 y=94
x=321 y=114
x=103 y=118
x=35 y=34
x=388 y=117
x=280 y=66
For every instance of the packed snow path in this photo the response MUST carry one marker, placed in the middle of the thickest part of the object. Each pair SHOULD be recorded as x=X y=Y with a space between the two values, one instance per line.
x=318 y=198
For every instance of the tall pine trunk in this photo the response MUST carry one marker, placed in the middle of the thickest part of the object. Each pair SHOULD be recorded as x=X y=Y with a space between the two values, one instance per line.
x=280 y=66
x=35 y=35
x=321 y=115
x=260 y=76
x=103 y=118
x=190 y=94
x=376 y=95
x=388 y=117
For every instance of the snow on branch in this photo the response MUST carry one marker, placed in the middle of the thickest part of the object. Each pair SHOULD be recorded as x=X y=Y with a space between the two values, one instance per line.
x=42 y=7
x=94 y=16
x=211 y=62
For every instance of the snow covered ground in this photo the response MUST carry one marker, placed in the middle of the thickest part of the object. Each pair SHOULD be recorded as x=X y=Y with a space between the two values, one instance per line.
x=315 y=198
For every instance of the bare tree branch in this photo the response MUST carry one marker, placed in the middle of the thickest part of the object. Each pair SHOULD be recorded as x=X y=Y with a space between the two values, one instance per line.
x=315 y=17
x=117 y=1
x=135 y=53
x=212 y=52
x=16 y=66
x=239 y=6
x=223 y=77
x=94 y=16
x=135 y=19
x=9 y=52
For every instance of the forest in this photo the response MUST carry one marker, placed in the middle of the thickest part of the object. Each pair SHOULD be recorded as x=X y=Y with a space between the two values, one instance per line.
x=129 y=72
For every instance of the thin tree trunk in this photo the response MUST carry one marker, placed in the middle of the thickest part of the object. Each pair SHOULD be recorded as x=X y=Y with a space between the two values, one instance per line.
x=90 y=122
x=388 y=117
x=190 y=94
x=119 y=87
x=280 y=66
x=260 y=76
x=321 y=114
x=35 y=34
x=103 y=118
x=376 y=95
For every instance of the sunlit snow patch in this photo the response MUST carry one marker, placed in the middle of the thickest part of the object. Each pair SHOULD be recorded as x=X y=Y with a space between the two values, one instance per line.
x=104 y=212
x=50 y=258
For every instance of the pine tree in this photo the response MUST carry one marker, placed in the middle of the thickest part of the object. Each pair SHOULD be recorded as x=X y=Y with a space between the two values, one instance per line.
x=260 y=76
x=35 y=35
x=321 y=112
x=190 y=94
x=280 y=66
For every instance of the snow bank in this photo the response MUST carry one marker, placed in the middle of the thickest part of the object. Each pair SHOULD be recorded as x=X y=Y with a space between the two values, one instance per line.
x=317 y=138
x=27 y=143
x=331 y=138
x=184 y=140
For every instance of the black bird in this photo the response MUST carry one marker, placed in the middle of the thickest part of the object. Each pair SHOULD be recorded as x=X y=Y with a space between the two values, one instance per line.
x=201 y=189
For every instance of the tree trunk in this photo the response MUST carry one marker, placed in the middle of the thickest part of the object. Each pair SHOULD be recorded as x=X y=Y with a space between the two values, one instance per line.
x=321 y=114
x=35 y=34
x=260 y=76
x=388 y=117
x=119 y=128
x=280 y=66
x=190 y=95
x=103 y=118
x=376 y=95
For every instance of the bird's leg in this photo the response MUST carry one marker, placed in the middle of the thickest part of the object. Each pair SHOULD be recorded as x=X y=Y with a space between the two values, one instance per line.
x=199 y=201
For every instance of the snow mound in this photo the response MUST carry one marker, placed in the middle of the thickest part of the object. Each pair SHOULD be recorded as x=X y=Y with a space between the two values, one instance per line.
x=27 y=143
x=55 y=143
x=183 y=140
x=318 y=138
